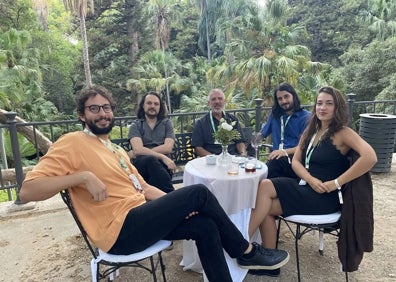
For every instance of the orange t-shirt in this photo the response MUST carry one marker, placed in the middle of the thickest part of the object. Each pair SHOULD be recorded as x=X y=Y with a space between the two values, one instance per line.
x=78 y=151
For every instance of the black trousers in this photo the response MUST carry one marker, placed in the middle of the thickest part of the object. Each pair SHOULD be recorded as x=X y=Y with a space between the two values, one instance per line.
x=165 y=218
x=155 y=172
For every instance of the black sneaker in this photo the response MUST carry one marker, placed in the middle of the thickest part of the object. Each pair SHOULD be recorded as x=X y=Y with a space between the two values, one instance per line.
x=263 y=258
x=266 y=272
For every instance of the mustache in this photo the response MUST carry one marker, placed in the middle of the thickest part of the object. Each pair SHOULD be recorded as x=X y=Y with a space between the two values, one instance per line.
x=103 y=118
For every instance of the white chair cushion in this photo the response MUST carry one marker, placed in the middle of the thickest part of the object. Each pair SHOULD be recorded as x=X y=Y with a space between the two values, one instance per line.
x=315 y=219
x=152 y=250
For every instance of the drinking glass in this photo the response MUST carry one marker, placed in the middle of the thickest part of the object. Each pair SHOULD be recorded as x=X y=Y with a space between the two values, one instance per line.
x=250 y=165
x=257 y=142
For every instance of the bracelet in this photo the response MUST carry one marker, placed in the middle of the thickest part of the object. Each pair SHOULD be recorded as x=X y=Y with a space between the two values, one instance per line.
x=339 y=191
x=337 y=184
x=287 y=155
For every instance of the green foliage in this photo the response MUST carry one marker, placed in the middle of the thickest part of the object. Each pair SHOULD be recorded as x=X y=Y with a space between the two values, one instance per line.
x=225 y=133
x=5 y=197
x=333 y=27
x=248 y=50
x=26 y=149
x=370 y=70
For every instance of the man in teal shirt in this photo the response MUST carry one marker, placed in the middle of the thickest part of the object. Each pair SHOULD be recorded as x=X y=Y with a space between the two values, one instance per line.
x=285 y=123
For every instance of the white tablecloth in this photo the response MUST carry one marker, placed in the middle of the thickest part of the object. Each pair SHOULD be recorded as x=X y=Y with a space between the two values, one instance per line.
x=235 y=193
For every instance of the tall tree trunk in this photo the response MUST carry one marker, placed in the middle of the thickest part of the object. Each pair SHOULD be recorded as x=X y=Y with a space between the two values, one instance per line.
x=87 y=69
x=207 y=30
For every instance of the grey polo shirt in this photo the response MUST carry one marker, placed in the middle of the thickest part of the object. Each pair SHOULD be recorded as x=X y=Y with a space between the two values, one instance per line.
x=152 y=137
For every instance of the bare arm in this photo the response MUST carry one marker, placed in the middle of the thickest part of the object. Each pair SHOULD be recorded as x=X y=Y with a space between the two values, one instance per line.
x=151 y=192
x=241 y=147
x=158 y=152
x=139 y=149
x=345 y=140
x=276 y=154
x=350 y=139
x=45 y=187
x=202 y=152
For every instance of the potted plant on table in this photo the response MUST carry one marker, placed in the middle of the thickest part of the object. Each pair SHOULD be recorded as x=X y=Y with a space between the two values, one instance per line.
x=224 y=135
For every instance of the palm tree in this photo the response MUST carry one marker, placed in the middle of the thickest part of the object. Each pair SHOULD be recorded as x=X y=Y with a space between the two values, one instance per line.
x=210 y=12
x=80 y=7
x=264 y=53
x=381 y=16
x=20 y=75
x=163 y=10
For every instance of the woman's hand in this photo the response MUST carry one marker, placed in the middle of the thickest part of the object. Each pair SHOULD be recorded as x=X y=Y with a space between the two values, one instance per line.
x=318 y=186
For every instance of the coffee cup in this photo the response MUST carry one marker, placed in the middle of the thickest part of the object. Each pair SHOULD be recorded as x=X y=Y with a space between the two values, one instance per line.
x=211 y=159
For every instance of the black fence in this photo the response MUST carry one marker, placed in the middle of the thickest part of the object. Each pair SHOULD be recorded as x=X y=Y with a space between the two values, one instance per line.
x=22 y=143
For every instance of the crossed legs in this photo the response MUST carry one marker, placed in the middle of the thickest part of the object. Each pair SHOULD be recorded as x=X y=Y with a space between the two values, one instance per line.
x=264 y=214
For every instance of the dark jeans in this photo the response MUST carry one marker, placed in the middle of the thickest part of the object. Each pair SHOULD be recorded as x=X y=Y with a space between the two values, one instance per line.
x=155 y=172
x=280 y=168
x=164 y=218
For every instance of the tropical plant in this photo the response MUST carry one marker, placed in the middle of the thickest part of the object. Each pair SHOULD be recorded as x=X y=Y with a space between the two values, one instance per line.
x=381 y=17
x=26 y=149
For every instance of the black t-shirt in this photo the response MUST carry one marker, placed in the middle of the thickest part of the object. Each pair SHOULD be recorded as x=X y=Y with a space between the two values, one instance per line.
x=202 y=135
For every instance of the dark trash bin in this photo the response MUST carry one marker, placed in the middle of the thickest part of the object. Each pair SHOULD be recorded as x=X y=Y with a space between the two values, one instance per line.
x=379 y=130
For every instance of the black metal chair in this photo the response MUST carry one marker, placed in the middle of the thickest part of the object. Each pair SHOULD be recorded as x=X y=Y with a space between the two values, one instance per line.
x=115 y=262
x=327 y=223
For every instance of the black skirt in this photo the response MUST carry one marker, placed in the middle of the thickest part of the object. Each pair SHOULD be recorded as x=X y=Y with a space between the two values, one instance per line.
x=302 y=199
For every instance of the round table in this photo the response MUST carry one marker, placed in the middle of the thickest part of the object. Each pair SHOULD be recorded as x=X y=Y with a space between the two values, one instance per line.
x=235 y=193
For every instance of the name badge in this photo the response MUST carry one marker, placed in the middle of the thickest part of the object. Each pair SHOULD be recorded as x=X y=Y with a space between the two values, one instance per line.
x=136 y=183
x=281 y=146
x=302 y=182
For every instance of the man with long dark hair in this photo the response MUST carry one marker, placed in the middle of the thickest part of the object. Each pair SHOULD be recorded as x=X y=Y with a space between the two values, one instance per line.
x=152 y=138
x=286 y=123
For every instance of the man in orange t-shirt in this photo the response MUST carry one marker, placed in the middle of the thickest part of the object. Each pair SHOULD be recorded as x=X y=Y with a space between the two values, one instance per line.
x=110 y=198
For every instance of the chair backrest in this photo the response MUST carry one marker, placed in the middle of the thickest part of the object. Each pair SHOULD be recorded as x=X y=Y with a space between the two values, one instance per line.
x=66 y=198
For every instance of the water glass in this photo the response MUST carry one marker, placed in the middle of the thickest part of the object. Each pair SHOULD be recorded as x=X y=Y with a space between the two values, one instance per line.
x=233 y=167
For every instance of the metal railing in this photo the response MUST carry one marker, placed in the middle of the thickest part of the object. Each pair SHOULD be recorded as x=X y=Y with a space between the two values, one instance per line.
x=183 y=122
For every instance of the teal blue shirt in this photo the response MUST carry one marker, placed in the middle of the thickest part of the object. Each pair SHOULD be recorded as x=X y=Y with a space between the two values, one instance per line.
x=293 y=129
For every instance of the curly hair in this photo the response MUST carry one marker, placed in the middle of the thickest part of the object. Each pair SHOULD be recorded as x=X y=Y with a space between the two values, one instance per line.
x=340 y=118
x=163 y=112
x=89 y=92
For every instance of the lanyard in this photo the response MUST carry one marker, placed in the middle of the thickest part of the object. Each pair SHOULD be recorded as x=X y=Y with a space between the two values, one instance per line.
x=114 y=148
x=212 y=123
x=311 y=148
x=283 y=126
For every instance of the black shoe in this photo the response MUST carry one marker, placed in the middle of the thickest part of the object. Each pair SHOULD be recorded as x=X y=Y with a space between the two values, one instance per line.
x=266 y=272
x=263 y=258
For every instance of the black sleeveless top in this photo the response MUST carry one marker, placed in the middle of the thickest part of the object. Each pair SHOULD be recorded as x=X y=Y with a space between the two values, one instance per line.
x=326 y=163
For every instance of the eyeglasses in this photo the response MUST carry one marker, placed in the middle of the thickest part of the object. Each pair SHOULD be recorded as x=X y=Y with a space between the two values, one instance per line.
x=107 y=108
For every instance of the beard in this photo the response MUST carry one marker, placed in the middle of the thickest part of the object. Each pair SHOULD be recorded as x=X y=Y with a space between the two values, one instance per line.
x=151 y=113
x=287 y=107
x=100 y=130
